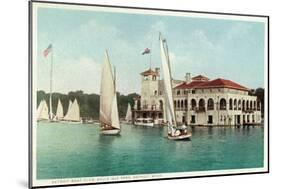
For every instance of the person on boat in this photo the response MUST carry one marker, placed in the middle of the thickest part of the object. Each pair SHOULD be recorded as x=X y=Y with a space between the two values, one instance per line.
x=105 y=126
x=184 y=128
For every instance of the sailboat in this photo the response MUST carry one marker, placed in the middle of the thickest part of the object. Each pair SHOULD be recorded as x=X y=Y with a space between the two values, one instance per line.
x=42 y=111
x=128 y=117
x=174 y=132
x=59 y=114
x=73 y=112
x=109 y=118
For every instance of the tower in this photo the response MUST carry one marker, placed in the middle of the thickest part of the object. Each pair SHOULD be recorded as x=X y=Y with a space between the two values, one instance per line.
x=149 y=88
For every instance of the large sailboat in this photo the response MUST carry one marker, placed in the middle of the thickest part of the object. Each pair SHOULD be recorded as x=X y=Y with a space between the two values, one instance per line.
x=73 y=112
x=109 y=118
x=128 y=117
x=42 y=111
x=174 y=132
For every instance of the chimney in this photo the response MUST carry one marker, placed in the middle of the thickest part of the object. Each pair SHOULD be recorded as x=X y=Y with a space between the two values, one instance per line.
x=187 y=78
x=157 y=70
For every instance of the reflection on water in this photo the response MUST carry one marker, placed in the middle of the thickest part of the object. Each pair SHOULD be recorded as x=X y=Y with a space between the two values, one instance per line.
x=66 y=151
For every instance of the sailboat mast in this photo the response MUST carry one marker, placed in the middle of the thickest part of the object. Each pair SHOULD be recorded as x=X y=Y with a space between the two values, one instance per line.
x=150 y=54
x=51 y=84
x=114 y=79
x=171 y=79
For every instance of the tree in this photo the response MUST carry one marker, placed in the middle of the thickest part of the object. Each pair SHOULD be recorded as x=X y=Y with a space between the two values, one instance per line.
x=88 y=103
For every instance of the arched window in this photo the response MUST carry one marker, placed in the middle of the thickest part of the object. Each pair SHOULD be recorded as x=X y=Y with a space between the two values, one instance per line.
x=201 y=104
x=175 y=104
x=251 y=105
x=193 y=104
x=210 y=104
x=230 y=104
x=243 y=105
x=222 y=104
x=247 y=105
x=185 y=103
x=258 y=105
x=235 y=104
x=138 y=104
x=239 y=104
x=153 y=105
x=178 y=92
x=155 y=92
x=254 y=106
x=161 y=104
x=181 y=103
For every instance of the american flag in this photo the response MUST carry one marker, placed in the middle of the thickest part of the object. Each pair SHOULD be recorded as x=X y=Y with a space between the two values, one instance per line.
x=146 y=51
x=47 y=50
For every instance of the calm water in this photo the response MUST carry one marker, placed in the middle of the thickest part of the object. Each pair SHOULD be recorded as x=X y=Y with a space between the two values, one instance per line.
x=69 y=150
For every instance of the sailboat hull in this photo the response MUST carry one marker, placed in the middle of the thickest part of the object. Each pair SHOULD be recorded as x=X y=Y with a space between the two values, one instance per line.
x=180 y=137
x=42 y=120
x=69 y=122
x=144 y=124
x=111 y=132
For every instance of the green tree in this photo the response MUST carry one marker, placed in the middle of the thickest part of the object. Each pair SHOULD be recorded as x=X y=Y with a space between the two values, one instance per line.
x=88 y=103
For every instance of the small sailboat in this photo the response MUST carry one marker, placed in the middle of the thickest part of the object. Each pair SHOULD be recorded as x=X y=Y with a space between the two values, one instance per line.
x=42 y=111
x=128 y=117
x=73 y=112
x=109 y=118
x=59 y=114
x=174 y=132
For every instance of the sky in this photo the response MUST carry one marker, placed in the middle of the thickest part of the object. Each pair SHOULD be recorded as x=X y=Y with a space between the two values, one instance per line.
x=216 y=48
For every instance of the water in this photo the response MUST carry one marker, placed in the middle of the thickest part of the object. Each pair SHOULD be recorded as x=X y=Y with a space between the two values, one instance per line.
x=78 y=150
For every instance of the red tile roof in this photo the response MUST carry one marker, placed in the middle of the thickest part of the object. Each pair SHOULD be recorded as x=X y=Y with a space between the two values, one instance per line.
x=149 y=72
x=216 y=83
x=200 y=78
x=222 y=83
x=190 y=85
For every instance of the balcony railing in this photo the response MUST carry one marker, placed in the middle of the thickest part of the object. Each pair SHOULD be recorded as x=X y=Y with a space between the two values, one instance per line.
x=201 y=109
x=181 y=109
x=222 y=107
x=248 y=111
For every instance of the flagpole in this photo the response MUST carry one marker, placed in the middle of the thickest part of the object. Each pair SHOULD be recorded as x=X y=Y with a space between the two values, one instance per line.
x=51 y=84
x=150 y=55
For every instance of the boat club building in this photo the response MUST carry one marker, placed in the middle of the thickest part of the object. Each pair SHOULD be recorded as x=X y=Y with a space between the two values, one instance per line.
x=197 y=101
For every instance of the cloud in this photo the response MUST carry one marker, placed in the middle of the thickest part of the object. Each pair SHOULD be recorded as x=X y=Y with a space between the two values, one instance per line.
x=237 y=30
x=200 y=39
x=195 y=54
x=71 y=75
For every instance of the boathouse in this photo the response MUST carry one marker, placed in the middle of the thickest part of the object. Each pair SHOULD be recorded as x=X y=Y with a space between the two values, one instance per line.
x=198 y=101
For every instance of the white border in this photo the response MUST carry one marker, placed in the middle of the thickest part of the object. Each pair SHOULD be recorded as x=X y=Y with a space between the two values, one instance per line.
x=92 y=180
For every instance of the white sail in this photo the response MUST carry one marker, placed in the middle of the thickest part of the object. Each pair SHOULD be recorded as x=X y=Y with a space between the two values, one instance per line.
x=73 y=113
x=108 y=102
x=167 y=85
x=68 y=110
x=59 y=114
x=114 y=114
x=39 y=108
x=129 y=113
x=43 y=111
